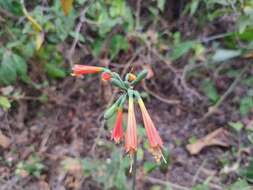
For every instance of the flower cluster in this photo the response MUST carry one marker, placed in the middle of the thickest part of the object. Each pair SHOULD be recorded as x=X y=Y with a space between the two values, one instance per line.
x=131 y=140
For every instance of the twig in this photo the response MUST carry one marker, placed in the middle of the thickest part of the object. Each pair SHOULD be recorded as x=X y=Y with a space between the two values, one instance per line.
x=214 y=108
x=77 y=31
x=198 y=172
x=138 y=11
x=93 y=148
x=166 y=183
x=215 y=37
x=157 y=96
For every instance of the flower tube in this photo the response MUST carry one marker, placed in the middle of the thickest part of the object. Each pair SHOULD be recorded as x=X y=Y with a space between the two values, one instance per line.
x=117 y=133
x=155 y=141
x=79 y=70
x=131 y=132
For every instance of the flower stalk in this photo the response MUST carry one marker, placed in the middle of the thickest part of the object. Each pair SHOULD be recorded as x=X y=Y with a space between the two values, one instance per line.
x=127 y=93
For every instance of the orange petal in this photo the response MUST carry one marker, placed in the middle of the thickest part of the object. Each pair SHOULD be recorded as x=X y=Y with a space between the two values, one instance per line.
x=117 y=133
x=131 y=132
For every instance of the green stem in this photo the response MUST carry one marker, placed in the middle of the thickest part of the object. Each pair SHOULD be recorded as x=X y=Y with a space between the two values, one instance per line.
x=134 y=171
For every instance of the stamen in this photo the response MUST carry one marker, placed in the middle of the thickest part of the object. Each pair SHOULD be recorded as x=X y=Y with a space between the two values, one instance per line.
x=165 y=161
x=131 y=164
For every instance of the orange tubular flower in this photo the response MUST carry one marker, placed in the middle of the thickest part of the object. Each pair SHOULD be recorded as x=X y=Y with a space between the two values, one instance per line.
x=155 y=141
x=79 y=70
x=117 y=133
x=131 y=132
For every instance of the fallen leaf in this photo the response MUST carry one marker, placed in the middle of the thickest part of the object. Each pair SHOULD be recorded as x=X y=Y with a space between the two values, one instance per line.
x=248 y=55
x=43 y=185
x=219 y=137
x=66 y=6
x=152 y=36
x=7 y=90
x=4 y=141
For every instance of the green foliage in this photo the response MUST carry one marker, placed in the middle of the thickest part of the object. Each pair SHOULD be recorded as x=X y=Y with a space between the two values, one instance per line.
x=112 y=173
x=246 y=105
x=149 y=167
x=224 y=55
x=12 y=65
x=201 y=187
x=21 y=46
x=181 y=49
x=237 y=126
x=32 y=166
x=118 y=43
x=109 y=14
x=12 y=6
x=240 y=184
x=5 y=103
x=210 y=90
x=247 y=172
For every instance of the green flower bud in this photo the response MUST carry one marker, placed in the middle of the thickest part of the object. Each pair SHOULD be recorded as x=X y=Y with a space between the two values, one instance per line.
x=111 y=110
x=140 y=77
x=117 y=83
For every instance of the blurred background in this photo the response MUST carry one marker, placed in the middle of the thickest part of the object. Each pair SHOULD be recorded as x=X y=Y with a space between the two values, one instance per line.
x=199 y=92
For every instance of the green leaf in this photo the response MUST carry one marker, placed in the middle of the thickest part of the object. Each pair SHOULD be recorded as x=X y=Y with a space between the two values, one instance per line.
x=106 y=23
x=54 y=71
x=225 y=54
x=97 y=47
x=77 y=35
x=201 y=187
x=12 y=65
x=192 y=139
x=140 y=154
x=149 y=166
x=239 y=184
x=236 y=125
x=248 y=81
x=248 y=172
x=5 y=103
x=210 y=91
x=118 y=43
x=181 y=49
x=81 y=2
x=161 y=4
x=193 y=7
x=20 y=65
x=246 y=105
x=8 y=72
x=12 y=6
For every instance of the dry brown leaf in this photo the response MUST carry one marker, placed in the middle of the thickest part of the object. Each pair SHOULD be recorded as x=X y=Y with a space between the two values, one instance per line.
x=219 y=137
x=43 y=185
x=248 y=55
x=4 y=140
x=152 y=36
x=66 y=6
